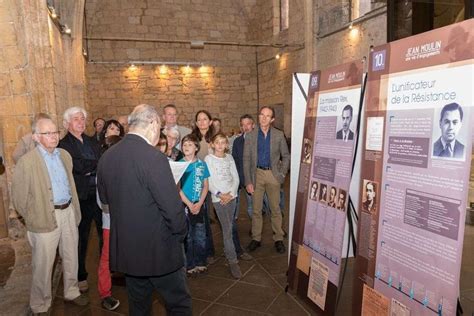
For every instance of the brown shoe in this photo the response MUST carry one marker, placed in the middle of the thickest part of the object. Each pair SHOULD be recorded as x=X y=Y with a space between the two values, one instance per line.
x=83 y=286
x=81 y=300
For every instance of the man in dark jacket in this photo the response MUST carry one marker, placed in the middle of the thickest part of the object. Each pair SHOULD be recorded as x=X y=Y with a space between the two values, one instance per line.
x=247 y=125
x=85 y=154
x=147 y=220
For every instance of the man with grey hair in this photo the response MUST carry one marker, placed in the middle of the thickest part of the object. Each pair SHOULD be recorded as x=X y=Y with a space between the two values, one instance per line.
x=44 y=193
x=85 y=154
x=27 y=143
x=147 y=220
x=170 y=118
x=123 y=120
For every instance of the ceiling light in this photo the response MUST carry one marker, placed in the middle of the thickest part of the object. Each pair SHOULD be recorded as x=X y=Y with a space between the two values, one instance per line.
x=67 y=29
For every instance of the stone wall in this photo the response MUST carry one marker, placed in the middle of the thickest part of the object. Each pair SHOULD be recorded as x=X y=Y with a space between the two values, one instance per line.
x=336 y=43
x=225 y=86
x=41 y=69
x=275 y=75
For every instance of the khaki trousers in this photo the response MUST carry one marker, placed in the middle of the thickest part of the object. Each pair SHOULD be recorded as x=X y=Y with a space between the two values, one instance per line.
x=43 y=248
x=266 y=182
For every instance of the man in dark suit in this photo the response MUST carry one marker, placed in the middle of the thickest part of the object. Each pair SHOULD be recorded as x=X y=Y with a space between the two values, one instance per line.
x=85 y=154
x=247 y=124
x=450 y=122
x=147 y=220
x=266 y=162
x=345 y=133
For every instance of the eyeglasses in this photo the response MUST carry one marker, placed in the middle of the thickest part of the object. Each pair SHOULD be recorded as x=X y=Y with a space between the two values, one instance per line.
x=49 y=134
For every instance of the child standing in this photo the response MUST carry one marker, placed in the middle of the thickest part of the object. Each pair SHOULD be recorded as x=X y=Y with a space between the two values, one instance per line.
x=223 y=184
x=104 y=280
x=193 y=192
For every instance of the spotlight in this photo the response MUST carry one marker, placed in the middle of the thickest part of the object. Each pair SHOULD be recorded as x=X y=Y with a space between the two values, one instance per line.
x=351 y=26
x=66 y=29
x=54 y=15
x=132 y=67
x=187 y=69
x=163 y=69
x=277 y=56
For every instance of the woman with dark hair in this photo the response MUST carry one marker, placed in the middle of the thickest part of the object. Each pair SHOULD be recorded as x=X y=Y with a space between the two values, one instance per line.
x=162 y=143
x=111 y=127
x=204 y=131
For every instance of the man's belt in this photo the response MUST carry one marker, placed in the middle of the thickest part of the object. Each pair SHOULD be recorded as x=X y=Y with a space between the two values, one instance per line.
x=63 y=206
x=264 y=168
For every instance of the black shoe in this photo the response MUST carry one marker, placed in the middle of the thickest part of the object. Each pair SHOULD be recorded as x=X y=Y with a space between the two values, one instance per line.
x=110 y=303
x=253 y=245
x=279 y=246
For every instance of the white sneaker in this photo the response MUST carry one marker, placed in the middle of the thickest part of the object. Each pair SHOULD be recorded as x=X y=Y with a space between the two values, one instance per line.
x=201 y=269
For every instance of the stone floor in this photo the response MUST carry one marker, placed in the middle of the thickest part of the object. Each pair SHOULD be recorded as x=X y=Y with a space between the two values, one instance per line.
x=261 y=291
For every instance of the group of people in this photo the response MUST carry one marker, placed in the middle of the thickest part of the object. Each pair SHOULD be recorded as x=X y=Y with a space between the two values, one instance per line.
x=154 y=230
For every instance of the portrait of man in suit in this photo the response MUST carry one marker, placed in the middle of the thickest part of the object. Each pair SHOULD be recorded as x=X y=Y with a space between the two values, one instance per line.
x=341 y=201
x=332 y=197
x=345 y=133
x=370 y=203
x=450 y=122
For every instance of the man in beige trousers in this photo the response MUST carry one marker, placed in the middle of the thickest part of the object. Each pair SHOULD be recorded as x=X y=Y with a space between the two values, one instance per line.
x=44 y=193
x=266 y=161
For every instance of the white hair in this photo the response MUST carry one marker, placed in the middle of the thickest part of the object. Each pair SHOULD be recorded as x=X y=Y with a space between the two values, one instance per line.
x=70 y=112
x=173 y=132
x=142 y=116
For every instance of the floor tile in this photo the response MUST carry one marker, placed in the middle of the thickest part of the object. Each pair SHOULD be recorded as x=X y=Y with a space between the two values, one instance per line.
x=286 y=305
x=274 y=264
x=258 y=276
x=249 y=296
x=220 y=310
x=220 y=269
x=97 y=311
x=199 y=306
x=208 y=288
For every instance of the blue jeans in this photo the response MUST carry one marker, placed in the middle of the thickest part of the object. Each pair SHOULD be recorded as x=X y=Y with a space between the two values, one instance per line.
x=195 y=244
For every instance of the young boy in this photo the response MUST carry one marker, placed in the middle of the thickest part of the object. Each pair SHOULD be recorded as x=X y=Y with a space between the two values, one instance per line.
x=193 y=192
